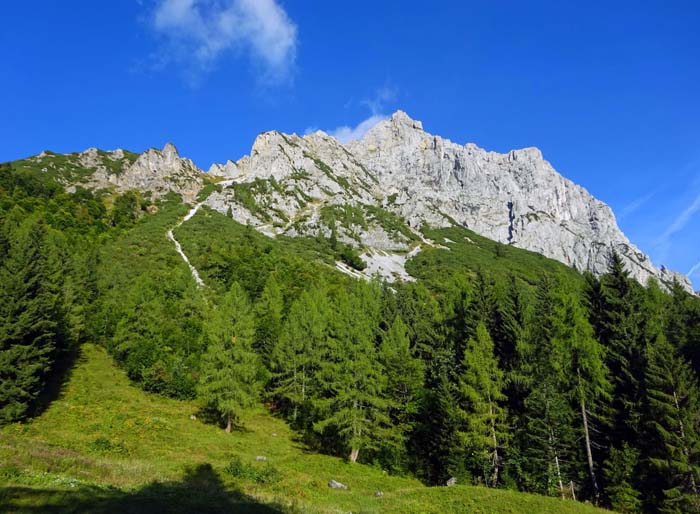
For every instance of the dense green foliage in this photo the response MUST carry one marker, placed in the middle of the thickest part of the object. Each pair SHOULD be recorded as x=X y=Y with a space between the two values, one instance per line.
x=498 y=367
x=106 y=447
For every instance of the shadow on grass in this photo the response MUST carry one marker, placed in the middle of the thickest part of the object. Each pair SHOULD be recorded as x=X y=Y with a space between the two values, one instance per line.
x=210 y=416
x=200 y=491
x=56 y=381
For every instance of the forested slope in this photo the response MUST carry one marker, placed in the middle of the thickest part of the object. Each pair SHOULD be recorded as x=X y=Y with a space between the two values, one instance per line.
x=496 y=367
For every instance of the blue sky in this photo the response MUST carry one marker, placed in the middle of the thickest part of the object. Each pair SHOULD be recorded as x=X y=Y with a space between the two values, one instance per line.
x=610 y=91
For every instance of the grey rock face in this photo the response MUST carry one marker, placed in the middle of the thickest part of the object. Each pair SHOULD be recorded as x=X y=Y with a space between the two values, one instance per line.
x=515 y=198
x=397 y=175
x=298 y=184
x=157 y=171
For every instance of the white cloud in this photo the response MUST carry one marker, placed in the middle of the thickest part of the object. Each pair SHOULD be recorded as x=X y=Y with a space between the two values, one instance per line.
x=635 y=205
x=345 y=134
x=200 y=31
x=694 y=269
x=682 y=219
x=382 y=96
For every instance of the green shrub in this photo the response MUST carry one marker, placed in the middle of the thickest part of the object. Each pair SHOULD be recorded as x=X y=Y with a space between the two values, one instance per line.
x=266 y=474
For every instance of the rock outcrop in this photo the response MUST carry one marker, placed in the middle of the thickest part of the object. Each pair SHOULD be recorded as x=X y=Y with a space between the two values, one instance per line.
x=376 y=193
x=515 y=198
x=156 y=171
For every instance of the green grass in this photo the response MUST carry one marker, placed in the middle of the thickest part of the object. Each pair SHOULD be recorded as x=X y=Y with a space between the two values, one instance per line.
x=106 y=446
x=466 y=252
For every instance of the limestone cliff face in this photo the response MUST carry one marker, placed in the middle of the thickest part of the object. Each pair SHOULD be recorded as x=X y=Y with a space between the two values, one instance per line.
x=376 y=193
x=515 y=198
x=156 y=171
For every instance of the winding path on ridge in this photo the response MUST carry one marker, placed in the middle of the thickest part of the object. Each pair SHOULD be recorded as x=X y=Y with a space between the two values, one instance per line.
x=178 y=246
x=393 y=268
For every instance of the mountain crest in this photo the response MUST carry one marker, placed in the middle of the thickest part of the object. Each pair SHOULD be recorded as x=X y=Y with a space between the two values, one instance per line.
x=376 y=194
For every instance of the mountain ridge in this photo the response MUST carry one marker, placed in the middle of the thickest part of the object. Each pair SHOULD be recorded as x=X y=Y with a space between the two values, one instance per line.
x=377 y=192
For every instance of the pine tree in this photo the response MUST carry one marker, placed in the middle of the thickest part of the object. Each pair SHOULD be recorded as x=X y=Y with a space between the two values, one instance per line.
x=480 y=387
x=230 y=368
x=31 y=318
x=673 y=418
x=405 y=376
x=352 y=402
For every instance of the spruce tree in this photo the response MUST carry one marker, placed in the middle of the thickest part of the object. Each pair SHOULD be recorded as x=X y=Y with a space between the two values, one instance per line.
x=545 y=429
x=673 y=420
x=31 y=317
x=622 y=336
x=230 y=367
x=438 y=447
x=480 y=387
x=619 y=472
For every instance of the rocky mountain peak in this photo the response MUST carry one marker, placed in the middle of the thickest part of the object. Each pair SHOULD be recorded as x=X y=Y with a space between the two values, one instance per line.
x=377 y=192
x=170 y=152
x=400 y=118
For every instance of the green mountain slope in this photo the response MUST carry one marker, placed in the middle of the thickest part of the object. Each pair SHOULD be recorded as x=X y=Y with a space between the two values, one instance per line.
x=106 y=446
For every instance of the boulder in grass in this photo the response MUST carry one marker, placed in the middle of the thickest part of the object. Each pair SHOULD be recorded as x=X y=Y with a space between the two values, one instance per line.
x=337 y=485
x=452 y=481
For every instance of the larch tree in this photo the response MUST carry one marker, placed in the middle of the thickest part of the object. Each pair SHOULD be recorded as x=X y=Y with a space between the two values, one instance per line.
x=296 y=356
x=229 y=378
x=352 y=401
x=480 y=393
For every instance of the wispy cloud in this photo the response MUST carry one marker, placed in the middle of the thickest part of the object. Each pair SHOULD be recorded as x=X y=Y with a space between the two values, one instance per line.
x=197 y=33
x=345 y=134
x=682 y=219
x=635 y=205
x=376 y=105
x=695 y=269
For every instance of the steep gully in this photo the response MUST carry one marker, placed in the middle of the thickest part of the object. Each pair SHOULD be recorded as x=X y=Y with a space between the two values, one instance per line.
x=178 y=246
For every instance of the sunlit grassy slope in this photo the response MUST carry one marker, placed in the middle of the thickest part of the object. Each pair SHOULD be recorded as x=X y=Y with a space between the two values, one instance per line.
x=106 y=446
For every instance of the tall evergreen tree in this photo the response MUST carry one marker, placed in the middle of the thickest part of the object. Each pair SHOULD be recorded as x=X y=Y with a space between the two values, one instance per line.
x=31 y=317
x=619 y=473
x=621 y=332
x=405 y=377
x=673 y=419
x=438 y=447
x=296 y=356
x=545 y=434
x=230 y=367
x=480 y=397
x=583 y=370
x=268 y=319
x=352 y=403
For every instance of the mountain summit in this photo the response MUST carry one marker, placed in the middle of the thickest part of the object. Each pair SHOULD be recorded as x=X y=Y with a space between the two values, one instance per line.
x=377 y=193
